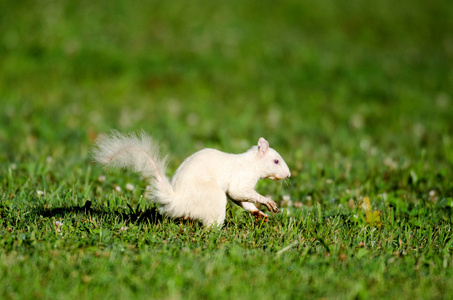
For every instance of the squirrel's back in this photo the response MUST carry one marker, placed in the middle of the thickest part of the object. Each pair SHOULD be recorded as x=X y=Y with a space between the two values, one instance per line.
x=211 y=164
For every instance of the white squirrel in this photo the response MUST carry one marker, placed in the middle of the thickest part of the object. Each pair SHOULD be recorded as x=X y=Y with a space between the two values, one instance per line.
x=201 y=184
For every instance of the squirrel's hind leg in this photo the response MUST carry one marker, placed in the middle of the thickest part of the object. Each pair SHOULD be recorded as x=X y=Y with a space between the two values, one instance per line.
x=204 y=201
x=250 y=207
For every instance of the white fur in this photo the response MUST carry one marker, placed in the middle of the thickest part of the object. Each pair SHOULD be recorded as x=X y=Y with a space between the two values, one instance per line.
x=200 y=186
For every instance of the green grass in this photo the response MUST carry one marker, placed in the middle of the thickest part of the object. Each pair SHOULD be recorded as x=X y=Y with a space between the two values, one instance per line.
x=357 y=98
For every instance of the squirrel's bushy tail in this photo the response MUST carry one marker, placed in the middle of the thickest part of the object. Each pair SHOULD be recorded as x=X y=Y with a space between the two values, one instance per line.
x=138 y=153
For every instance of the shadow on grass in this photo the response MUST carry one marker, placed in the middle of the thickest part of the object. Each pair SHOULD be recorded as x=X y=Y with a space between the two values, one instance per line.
x=149 y=216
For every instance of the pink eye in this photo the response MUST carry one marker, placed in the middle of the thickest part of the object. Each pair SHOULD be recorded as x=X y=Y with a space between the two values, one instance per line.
x=276 y=161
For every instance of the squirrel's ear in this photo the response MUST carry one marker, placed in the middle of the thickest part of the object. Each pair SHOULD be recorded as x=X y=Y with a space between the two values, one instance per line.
x=263 y=146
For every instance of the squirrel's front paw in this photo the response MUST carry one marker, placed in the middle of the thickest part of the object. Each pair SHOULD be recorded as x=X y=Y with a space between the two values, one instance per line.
x=271 y=205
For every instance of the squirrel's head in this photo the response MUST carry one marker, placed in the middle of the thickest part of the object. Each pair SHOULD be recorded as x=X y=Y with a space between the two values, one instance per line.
x=271 y=163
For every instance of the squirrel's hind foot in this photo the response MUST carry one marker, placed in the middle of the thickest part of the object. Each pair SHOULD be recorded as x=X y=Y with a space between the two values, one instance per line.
x=260 y=216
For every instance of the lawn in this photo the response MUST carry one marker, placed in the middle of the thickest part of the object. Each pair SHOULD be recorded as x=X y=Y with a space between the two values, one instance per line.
x=356 y=96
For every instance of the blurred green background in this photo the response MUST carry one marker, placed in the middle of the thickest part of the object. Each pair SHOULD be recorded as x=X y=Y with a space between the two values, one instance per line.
x=357 y=82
